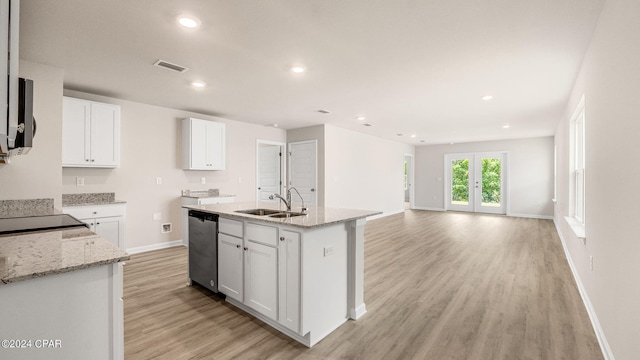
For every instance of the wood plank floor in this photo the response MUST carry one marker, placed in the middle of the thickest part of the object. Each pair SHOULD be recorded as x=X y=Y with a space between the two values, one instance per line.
x=437 y=286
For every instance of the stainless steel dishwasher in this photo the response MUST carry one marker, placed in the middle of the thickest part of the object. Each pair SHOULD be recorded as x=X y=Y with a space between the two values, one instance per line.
x=203 y=249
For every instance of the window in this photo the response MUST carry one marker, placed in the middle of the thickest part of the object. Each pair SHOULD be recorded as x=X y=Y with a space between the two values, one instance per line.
x=579 y=163
x=577 y=208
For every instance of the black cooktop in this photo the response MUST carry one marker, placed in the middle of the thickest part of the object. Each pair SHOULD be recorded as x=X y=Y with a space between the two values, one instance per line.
x=38 y=223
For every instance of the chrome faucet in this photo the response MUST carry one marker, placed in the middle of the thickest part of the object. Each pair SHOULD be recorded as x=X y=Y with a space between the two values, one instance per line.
x=287 y=201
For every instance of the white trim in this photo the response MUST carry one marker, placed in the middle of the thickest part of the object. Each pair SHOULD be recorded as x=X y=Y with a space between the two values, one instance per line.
x=428 y=208
x=288 y=153
x=531 y=216
x=602 y=339
x=385 y=214
x=577 y=228
x=164 y=245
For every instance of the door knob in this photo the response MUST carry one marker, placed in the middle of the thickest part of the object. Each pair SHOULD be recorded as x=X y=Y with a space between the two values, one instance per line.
x=312 y=189
x=281 y=238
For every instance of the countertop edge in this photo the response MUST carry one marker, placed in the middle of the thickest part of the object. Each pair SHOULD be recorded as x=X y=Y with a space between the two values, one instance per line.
x=277 y=221
x=63 y=270
x=96 y=203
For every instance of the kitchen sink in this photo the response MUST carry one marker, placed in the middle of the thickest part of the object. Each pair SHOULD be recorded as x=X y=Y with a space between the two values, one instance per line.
x=260 y=212
x=286 y=215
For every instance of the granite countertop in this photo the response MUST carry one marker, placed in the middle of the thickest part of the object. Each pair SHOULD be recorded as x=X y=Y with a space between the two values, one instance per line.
x=198 y=194
x=37 y=254
x=25 y=208
x=315 y=215
x=87 y=199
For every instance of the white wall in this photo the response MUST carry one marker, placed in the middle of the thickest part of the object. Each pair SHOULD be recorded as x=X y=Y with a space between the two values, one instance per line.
x=530 y=167
x=610 y=81
x=151 y=147
x=37 y=174
x=356 y=170
x=363 y=171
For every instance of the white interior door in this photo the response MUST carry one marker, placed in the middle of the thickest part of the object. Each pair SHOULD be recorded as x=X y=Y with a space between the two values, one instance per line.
x=269 y=169
x=476 y=182
x=303 y=170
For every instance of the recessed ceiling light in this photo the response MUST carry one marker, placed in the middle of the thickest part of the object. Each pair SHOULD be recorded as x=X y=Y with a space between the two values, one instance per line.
x=506 y=126
x=188 y=22
x=413 y=135
x=297 y=69
x=198 y=84
x=361 y=118
x=487 y=97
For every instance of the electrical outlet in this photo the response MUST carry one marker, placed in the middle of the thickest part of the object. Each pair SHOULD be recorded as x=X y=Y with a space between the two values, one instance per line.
x=158 y=181
x=328 y=251
x=157 y=216
x=79 y=181
x=239 y=180
x=203 y=180
x=591 y=263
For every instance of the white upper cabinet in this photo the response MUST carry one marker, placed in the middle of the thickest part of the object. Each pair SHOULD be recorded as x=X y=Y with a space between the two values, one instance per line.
x=203 y=145
x=90 y=134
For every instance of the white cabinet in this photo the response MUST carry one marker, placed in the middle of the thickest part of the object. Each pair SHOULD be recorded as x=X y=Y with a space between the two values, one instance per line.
x=90 y=134
x=261 y=269
x=266 y=278
x=203 y=145
x=289 y=280
x=107 y=221
x=230 y=259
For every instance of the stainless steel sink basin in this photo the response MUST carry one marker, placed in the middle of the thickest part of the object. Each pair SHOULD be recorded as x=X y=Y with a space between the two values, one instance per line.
x=286 y=215
x=260 y=212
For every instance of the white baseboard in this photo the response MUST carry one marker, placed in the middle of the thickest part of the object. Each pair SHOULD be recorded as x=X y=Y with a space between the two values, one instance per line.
x=385 y=214
x=531 y=216
x=427 y=208
x=602 y=339
x=164 y=245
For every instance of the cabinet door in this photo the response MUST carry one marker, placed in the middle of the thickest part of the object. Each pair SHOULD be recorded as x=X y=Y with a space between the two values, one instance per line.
x=75 y=132
x=215 y=146
x=109 y=228
x=105 y=135
x=198 y=144
x=289 y=280
x=230 y=260
x=261 y=278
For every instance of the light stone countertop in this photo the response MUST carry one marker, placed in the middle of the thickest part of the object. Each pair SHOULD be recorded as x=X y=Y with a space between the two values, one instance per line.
x=31 y=255
x=87 y=199
x=315 y=216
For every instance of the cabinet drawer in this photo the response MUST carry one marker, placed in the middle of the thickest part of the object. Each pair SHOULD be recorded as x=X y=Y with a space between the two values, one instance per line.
x=230 y=227
x=95 y=211
x=267 y=235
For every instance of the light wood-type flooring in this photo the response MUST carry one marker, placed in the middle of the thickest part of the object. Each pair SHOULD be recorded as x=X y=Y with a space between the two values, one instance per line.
x=438 y=286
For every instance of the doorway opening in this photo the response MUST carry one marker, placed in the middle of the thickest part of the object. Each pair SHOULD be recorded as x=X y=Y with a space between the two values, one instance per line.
x=270 y=169
x=408 y=178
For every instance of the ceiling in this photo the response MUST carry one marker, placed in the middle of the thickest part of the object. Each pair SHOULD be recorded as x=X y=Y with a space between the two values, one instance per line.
x=411 y=67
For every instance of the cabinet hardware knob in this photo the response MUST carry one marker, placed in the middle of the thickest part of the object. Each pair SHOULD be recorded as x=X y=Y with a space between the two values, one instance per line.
x=92 y=160
x=238 y=246
x=246 y=248
x=87 y=160
x=281 y=238
x=312 y=189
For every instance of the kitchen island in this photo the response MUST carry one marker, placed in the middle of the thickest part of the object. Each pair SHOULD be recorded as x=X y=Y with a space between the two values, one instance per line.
x=303 y=275
x=60 y=293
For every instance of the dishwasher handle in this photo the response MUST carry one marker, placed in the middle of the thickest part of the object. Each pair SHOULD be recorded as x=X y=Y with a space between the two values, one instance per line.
x=203 y=216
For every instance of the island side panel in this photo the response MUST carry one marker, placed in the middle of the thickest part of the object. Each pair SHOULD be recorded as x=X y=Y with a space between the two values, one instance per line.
x=74 y=308
x=356 y=303
x=324 y=280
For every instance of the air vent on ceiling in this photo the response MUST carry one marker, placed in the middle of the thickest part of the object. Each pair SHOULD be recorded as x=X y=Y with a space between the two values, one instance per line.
x=322 y=111
x=367 y=124
x=170 y=66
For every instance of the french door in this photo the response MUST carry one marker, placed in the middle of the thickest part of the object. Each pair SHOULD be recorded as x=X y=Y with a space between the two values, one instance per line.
x=476 y=182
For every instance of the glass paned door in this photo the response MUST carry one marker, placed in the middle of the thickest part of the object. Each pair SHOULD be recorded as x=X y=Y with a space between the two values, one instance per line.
x=475 y=182
x=489 y=183
x=459 y=184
